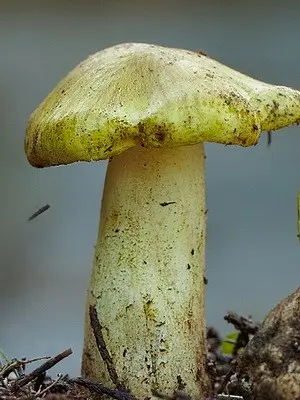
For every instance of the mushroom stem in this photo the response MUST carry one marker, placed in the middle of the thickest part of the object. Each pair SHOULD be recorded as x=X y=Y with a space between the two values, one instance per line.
x=147 y=280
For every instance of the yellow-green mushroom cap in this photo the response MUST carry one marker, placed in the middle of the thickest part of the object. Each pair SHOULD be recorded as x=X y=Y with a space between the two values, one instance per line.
x=152 y=96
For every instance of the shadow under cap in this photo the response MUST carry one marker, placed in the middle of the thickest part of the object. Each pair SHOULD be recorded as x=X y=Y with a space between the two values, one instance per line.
x=152 y=96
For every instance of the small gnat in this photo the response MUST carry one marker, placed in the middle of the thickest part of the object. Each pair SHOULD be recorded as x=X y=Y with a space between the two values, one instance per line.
x=39 y=212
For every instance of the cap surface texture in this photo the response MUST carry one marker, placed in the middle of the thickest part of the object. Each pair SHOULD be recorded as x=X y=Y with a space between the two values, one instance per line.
x=140 y=94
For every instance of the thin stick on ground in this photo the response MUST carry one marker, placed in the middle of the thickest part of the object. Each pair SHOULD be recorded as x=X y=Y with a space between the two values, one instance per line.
x=93 y=387
x=176 y=396
x=41 y=369
x=227 y=377
x=15 y=364
x=97 y=331
x=40 y=392
x=241 y=323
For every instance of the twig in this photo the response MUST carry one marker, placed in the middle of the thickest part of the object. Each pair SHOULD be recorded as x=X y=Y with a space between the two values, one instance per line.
x=97 y=331
x=241 y=323
x=15 y=364
x=176 y=395
x=227 y=377
x=41 y=369
x=241 y=342
x=40 y=393
x=93 y=387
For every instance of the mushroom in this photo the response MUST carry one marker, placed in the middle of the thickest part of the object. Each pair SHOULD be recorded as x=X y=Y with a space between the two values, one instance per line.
x=149 y=110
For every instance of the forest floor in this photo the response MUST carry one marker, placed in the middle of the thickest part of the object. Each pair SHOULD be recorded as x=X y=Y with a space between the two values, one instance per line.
x=18 y=384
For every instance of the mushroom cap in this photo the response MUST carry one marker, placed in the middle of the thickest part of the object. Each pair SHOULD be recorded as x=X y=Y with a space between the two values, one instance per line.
x=152 y=96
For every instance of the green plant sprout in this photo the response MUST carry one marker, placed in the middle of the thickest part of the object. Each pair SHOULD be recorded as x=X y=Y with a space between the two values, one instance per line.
x=4 y=357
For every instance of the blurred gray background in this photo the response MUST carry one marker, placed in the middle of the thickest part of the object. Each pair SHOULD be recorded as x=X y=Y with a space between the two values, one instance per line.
x=252 y=254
